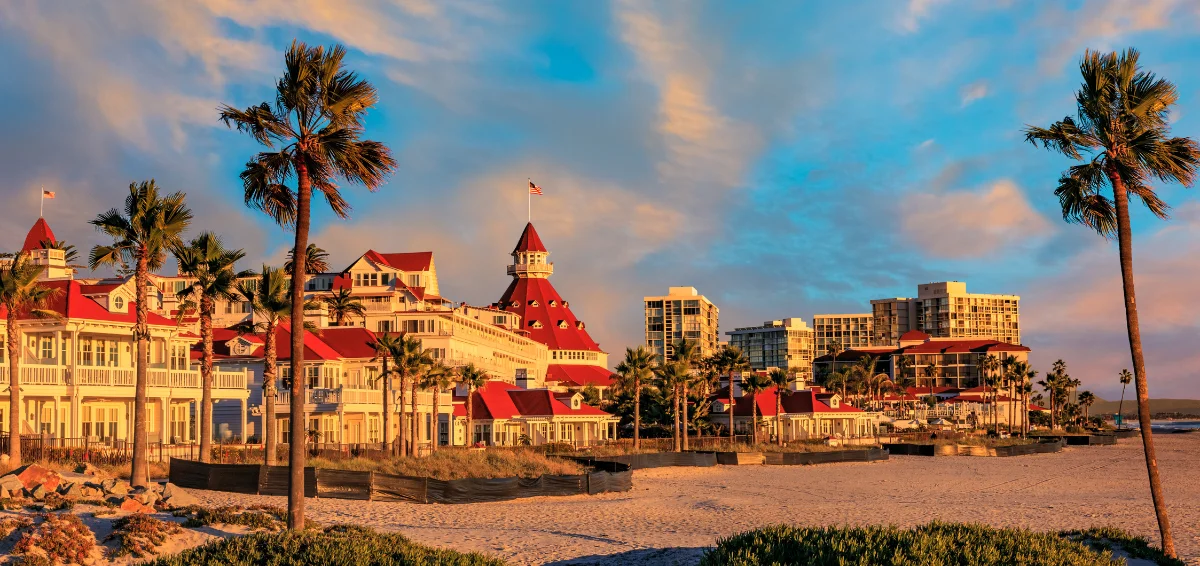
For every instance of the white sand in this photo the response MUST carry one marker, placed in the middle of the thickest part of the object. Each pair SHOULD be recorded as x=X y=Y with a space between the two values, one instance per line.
x=673 y=513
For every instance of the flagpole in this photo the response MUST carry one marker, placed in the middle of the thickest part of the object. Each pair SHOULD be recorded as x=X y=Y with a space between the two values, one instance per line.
x=529 y=202
x=42 y=202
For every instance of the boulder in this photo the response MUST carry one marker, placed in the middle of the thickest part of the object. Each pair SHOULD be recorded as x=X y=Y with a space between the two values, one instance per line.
x=144 y=496
x=11 y=484
x=116 y=487
x=134 y=506
x=90 y=492
x=173 y=496
x=39 y=492
x=34 y=475
x=72 y=491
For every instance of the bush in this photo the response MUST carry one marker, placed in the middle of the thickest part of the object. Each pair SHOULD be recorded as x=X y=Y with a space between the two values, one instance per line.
x=335 y=545
x=139 y=535
x=1136 y=547
x=459 y=463
x=60 y=538
x=935 y=543
x=197 y=516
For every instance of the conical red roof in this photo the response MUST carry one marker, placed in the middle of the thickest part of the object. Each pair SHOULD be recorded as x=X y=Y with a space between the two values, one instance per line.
x=545 y=315
x=41 y=233
x=529 y=242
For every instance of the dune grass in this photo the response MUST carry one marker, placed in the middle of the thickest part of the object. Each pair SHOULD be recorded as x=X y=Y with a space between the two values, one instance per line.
x=458 y=463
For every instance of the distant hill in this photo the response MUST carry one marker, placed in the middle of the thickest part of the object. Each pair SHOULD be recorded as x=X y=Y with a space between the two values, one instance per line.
x=1185 y=406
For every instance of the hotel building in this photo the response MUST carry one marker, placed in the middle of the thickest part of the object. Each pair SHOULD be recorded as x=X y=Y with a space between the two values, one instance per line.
x=947 y=310
x=786 y=344
x=683 y=313
x=849 y=330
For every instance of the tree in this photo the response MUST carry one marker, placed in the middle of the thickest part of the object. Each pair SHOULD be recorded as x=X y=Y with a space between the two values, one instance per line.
x=313 y=135
x=686 y=352
x=1125 y=378
x=386 y=346
x=1086 y=398
x=20 y=295
x=142 y=233
x=70 y=254
x=733 y=361
x=409 y=364
x=752 y=385
x=931 y=373
x=780 y=379
x=473 y=378
x=989 y=365
x=633 y=373
x=210 y=265
x=1121 y=136
x=316 y=260
x=342 y=305
x=271 y=306
x=438 y=377
x=672 y=378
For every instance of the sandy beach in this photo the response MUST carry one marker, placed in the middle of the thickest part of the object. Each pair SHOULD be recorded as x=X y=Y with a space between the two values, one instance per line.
x=672 y=514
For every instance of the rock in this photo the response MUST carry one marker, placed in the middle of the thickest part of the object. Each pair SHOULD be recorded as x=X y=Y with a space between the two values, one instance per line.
x=4 y=460
x=34 y=475
x=144 y=496
x=72 y=491
x=89 y=492
x=11 y=484
x=116 y=487
x=174 y=496
x=39 y=492
x=90 y=470
x=134 y=506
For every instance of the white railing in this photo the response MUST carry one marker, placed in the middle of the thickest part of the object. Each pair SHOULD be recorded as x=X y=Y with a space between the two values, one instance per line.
x=105 y=376
x=362 y=396
x=373 y=306
x=183 y=378
x=312 y=396
x=122 y=377
x=42 y=375
x=229 y=380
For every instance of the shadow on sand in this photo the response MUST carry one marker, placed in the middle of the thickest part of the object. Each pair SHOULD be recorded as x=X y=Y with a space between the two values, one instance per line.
x=643 y=556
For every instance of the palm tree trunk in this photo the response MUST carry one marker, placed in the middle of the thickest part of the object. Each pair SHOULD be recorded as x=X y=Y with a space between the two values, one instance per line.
x=1125 y=246
x=139 y=471
x=1121 y=406
x=415 y=433
x=470 y=418
x=385 y=380
x=400 y=447
x=678 y=437
x=206 y=364
x=754 y=418
x=14 y=389
x=299 y=249
x=433 y=433
x=269 y=372
x=637 y=413
x=685 y=417
x=732 y=438
x=778 y=417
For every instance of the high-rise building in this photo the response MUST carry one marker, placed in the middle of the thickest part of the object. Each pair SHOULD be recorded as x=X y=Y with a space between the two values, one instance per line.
x=849 y=330
x=786 y=344
x=946 y=310
x=683 y=313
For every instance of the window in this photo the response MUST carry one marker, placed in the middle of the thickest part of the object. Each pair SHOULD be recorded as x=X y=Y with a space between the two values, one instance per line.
x=385 y=326
x=179 y=356
x=312 y=376
x=285 y=431
x=3 y=348
x=414 y=280
x=47 y=348
x=119 y=302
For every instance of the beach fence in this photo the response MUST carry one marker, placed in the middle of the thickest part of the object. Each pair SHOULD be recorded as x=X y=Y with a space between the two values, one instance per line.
x=827 y=457
x=35 y=447
x=646 y=461
x=908 y=449
x=375 y=486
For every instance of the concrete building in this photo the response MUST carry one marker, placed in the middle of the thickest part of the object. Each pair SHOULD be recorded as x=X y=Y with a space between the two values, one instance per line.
x=849 y=330
x=683 y=313
x=954 y=362
x=946 y=310
x=785 y=344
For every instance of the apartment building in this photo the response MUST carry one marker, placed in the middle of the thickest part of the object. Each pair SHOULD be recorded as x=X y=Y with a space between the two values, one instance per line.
x=946 y=310
x=849 y=330
x=929 y=360
x=77 y=371
x=683 y=313
x=786 y=344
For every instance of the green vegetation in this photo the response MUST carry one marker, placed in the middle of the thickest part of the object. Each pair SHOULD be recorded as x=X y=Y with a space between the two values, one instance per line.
x=255 y=517
x=935 y=543
x=1113 y=538
x=139 y=535
x=454 y=463
x=58 y=538
x=335 y=545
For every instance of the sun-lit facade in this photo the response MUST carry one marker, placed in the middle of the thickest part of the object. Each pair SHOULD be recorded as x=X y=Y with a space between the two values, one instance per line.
x=683 y=313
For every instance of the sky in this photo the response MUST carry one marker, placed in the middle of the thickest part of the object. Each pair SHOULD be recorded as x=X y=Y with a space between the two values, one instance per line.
x=784 y=158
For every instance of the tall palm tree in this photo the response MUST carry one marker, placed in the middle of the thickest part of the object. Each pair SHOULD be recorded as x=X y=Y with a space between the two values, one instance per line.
x=752 y=385
x=386 y=346
x=672 y=378
x=409 y=364
x=342 y=305
x=1121 y=134
x=438 y=377
x=734 y=361
x=473 y=378
x=20 y=295
x=780 y=379
x=687 y=352
x=1125 y=378
x=316 y=260
x=1086 y=398
x=931 y=373
x=142 y=233
x=634 y=372
x=312 y=134
x=210 y=265
x=270 y=306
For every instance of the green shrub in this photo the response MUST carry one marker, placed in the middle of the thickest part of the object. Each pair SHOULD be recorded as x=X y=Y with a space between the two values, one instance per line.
x=935 y=543
x=61 y=538
x=139 y=535
x=1136 y=547
x=334 y=545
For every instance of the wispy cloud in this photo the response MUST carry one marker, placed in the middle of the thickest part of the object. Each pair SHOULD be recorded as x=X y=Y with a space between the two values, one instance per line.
x=972 y=92
x=972 y=224
x=910 y=18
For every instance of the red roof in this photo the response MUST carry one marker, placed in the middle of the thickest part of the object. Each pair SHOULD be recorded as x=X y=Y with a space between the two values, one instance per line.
x=71 y=303
x=40 y=232
x=330 y=344
x=499 y=400
x=919 y=391
x=559 y=330
x=99 y=288
x=349 y=341
x=963 y=346
x=803 y=401
x=410 y=261
x=913 y=335
x=529 y=242
x=579 y=376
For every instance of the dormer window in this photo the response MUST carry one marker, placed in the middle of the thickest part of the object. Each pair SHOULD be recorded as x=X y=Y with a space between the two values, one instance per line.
x=535 y=324
x=553 y=303
x=566 y=305
x=579 y=325
x=575 y=403
x=562 y=324
x=119 y=303
x=514 y=304
x=534 y=303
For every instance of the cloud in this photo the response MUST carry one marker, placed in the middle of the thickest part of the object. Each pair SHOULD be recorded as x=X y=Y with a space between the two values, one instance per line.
x=972 y=92
x=910 y=19
x=971 y=224
x=1104 y=25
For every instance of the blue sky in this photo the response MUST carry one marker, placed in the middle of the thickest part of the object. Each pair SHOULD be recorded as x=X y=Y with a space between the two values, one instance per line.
x=784 y=158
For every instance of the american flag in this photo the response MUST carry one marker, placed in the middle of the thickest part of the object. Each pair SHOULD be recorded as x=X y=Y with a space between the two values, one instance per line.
x=534 y=189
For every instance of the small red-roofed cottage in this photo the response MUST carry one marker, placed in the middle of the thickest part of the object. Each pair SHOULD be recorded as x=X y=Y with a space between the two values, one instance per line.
x=807 y=414
x=508 y=415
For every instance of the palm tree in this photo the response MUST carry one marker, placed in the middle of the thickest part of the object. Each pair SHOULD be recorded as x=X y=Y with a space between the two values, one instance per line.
x=753 y=384
x=672 y=377
x=271 y=306
x=20 y=295
x=634 y=372
x=438 y=376
x=210 y=265
x=1122 y=135
x=931 y=373
x=343 y=305
x=316 y=260
x=312 y=133
x=687 y=352
x=733 y=361
x=142 y=233
x=1086 y=398
x=386 y=346
x=70 y=254
x=409 y=364
x=473 y=378
x=1125 y=378
x=780 y=379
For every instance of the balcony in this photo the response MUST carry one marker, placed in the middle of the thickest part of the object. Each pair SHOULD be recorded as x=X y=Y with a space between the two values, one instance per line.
x=519 y=268
x=84 y=376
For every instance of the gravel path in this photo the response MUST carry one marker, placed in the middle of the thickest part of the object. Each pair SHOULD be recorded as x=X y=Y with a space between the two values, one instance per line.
x=672 y=514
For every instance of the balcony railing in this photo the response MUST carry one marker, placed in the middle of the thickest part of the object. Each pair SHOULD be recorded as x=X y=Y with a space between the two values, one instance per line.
x=122 y=377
